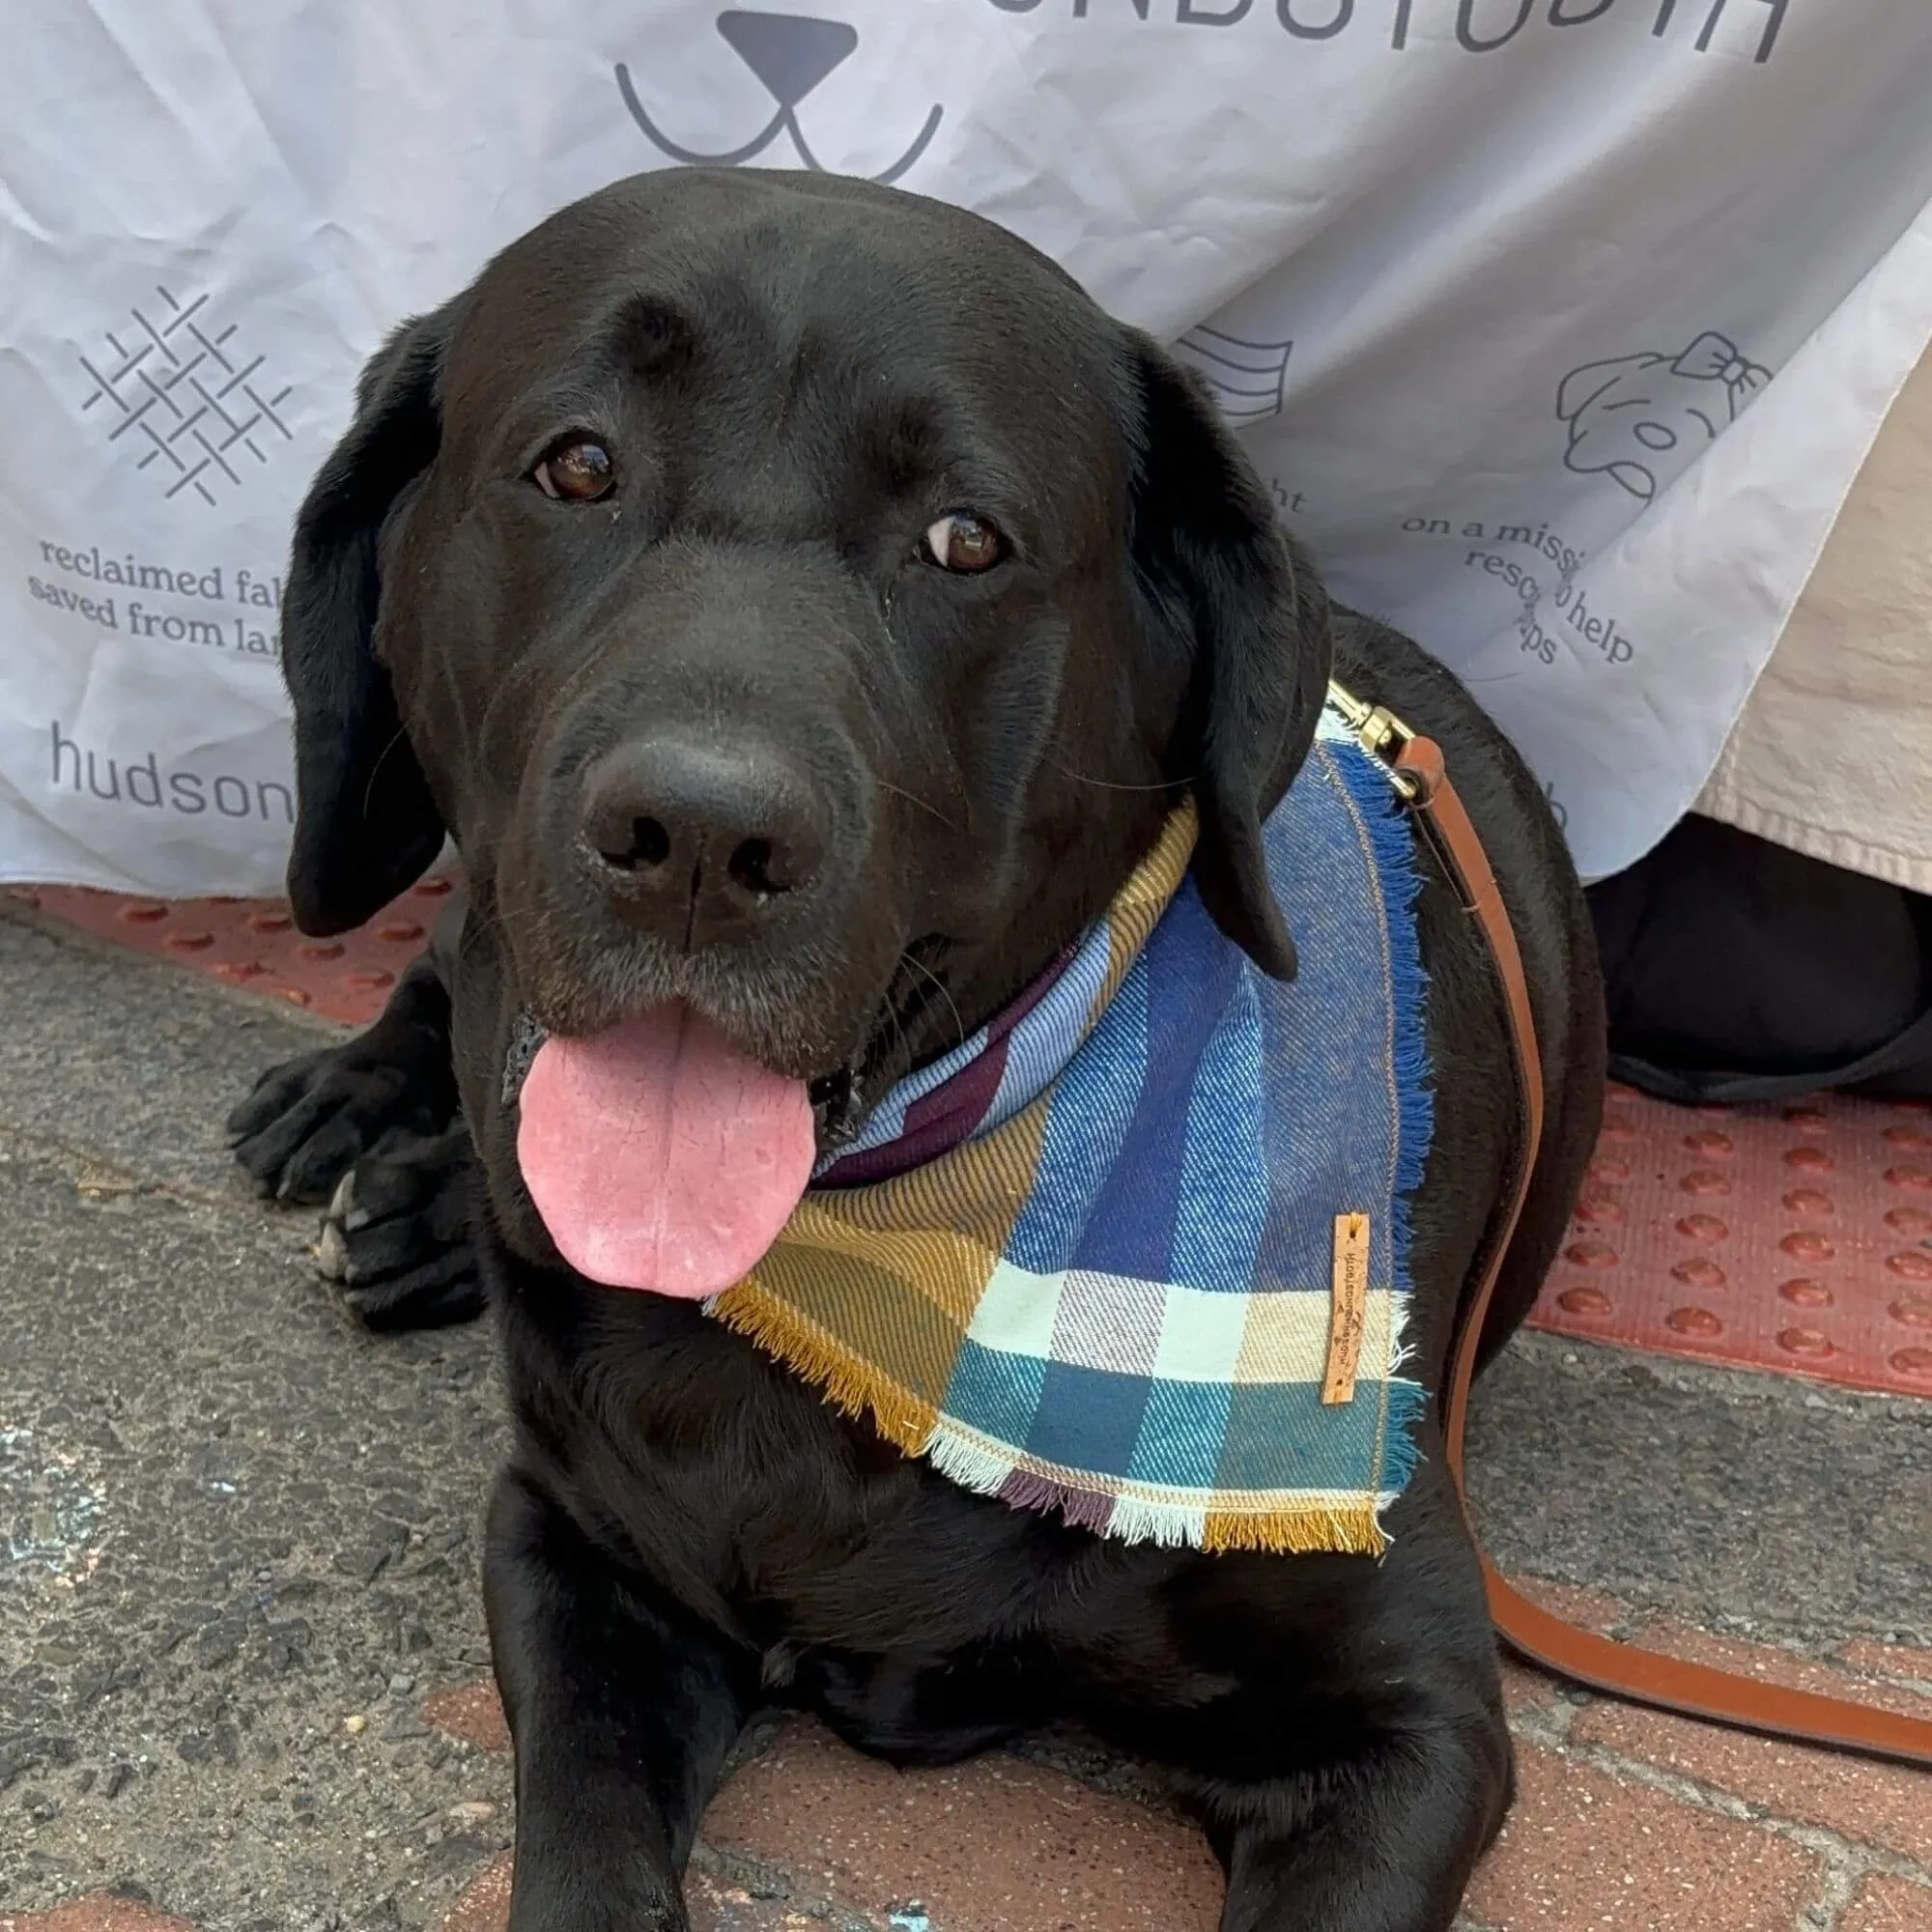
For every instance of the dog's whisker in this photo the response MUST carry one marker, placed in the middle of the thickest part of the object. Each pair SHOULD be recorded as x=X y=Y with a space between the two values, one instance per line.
x=376 y=769
x=913 y=798
x=1111 y=784
x=960 y=1028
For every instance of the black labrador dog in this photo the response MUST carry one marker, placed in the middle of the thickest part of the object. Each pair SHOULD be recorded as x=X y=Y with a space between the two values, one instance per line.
x=798 y=600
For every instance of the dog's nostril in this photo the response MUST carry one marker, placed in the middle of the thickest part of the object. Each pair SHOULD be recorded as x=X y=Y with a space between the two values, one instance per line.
x=754 y=868
x=649 y=846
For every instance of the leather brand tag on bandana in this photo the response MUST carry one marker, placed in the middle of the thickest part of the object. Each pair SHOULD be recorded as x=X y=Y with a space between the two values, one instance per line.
x=1349 y=1308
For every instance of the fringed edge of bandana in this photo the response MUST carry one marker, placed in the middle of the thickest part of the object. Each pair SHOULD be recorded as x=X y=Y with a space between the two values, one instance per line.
x=1392 y=839
x=844 y=1380
x=1177 y=1519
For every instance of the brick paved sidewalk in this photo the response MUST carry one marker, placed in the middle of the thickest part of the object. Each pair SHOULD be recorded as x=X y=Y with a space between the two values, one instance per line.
x=241 y=1653
x=1626 y=1819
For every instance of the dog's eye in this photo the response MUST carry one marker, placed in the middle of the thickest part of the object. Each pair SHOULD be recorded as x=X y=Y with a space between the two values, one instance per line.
x=961 y=542
x=576 y=471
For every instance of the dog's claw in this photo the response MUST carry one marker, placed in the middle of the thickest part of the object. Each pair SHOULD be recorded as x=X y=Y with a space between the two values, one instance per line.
x=342 y=1208
x=331 y=1252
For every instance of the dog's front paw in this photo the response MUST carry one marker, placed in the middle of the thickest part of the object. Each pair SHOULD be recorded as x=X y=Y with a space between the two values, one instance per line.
x=309 y=1119
x=395 y=1238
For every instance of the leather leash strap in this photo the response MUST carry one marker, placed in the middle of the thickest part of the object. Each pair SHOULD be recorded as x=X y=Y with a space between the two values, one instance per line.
x=1416 y=767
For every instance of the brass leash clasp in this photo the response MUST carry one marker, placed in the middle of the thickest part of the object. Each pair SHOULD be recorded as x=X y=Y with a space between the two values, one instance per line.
x=1379 y=731
x=1386 y=739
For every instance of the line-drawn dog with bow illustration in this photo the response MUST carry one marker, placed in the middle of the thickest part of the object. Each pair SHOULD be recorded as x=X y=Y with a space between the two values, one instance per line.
x=1629 y=416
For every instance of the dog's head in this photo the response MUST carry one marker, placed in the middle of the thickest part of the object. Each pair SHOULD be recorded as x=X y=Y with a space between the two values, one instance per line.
x=803 y=605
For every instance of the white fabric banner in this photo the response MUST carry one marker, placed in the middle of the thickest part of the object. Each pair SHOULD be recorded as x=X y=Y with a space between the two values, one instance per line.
x=1559 y=326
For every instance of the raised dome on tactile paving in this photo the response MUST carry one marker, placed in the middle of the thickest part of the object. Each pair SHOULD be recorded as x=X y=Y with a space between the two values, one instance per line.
x=1796 y=1238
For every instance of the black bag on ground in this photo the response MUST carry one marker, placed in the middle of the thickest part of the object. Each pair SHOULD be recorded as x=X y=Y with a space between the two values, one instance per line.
x=1737 y=970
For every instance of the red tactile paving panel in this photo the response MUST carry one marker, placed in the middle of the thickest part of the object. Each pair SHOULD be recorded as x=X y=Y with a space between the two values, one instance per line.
x=1792 y=1238
x=253 y=943
x=1796 y=1238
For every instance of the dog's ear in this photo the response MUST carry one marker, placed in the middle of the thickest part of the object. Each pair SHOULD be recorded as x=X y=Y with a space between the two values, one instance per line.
x=366 y=826
x=1217 y=574
x=1582 y=387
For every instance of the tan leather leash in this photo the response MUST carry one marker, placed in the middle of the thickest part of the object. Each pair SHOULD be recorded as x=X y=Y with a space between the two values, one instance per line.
x=1416 y=767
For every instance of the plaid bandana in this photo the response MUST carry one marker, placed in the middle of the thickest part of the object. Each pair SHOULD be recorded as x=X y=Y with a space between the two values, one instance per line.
x=1093 y=1260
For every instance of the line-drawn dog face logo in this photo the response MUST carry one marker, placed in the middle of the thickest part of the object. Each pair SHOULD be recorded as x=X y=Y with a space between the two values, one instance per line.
x=1636 y=415
x=791 y=53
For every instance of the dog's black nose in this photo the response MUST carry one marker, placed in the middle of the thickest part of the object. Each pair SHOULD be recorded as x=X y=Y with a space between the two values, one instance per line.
x=699 y=840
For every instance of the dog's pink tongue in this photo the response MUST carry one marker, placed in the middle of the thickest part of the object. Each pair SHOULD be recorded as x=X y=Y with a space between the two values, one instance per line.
x=659 y=1155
